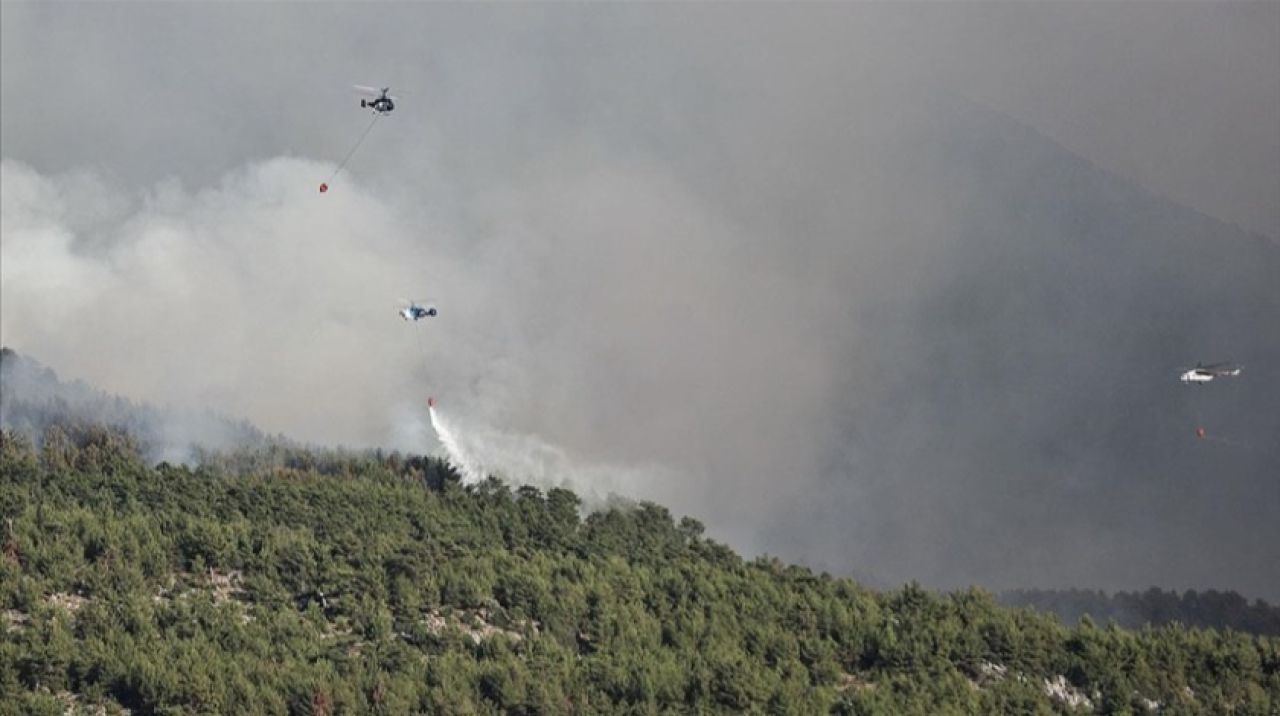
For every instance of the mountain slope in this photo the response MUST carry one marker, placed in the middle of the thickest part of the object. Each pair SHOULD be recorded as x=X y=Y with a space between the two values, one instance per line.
x=1154 y=607
x=286 y=581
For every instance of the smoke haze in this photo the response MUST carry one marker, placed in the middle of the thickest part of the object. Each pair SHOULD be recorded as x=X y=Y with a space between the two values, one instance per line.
x=850 y=288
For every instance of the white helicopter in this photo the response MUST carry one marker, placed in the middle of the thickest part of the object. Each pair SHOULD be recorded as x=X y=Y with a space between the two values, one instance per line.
x=415 y=311
x=1206 y=373
x=381 y=101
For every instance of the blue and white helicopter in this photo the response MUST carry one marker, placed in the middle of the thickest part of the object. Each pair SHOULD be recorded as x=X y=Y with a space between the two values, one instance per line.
x=416 y=311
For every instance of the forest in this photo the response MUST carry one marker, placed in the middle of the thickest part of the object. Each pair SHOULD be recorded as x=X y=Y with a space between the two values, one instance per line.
x=278 y=579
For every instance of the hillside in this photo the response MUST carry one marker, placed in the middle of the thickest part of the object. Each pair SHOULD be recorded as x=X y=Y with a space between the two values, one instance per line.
x=1133 y=610
x=282 y=581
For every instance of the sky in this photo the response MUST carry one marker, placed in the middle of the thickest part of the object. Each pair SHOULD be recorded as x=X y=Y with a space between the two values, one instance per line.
x=750 y=261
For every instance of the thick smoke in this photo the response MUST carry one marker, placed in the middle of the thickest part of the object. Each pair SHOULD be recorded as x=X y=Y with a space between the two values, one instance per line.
x=150 y=285
x=251 y=297
x=805 y=261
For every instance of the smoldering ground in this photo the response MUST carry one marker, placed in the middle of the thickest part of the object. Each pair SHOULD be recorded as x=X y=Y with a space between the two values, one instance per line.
x=855 y=314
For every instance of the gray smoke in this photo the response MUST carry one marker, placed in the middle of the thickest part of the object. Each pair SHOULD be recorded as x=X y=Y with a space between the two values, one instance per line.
x=823 y=266
x=33 y=400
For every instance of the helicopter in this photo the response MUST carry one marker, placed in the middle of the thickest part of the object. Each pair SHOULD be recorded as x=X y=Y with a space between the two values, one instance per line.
x=1205 y=373
x=382 y=102
x=413 y=310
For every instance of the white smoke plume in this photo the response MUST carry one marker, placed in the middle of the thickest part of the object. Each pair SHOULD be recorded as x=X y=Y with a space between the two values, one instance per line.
x=254 y=297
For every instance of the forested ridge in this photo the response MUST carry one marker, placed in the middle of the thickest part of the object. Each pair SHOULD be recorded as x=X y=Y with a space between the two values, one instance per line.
x=280 y=580
x=1154 y=606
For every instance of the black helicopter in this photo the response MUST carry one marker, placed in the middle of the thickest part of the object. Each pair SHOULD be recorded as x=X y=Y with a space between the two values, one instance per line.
x=381 y=101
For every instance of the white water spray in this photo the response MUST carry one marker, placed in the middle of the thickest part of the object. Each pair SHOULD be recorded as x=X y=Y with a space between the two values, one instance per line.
x=477 y=452
x=470 y=470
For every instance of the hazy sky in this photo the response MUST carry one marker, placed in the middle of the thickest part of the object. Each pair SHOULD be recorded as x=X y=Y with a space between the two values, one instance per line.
x=749 y=251
x=1180 y=97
